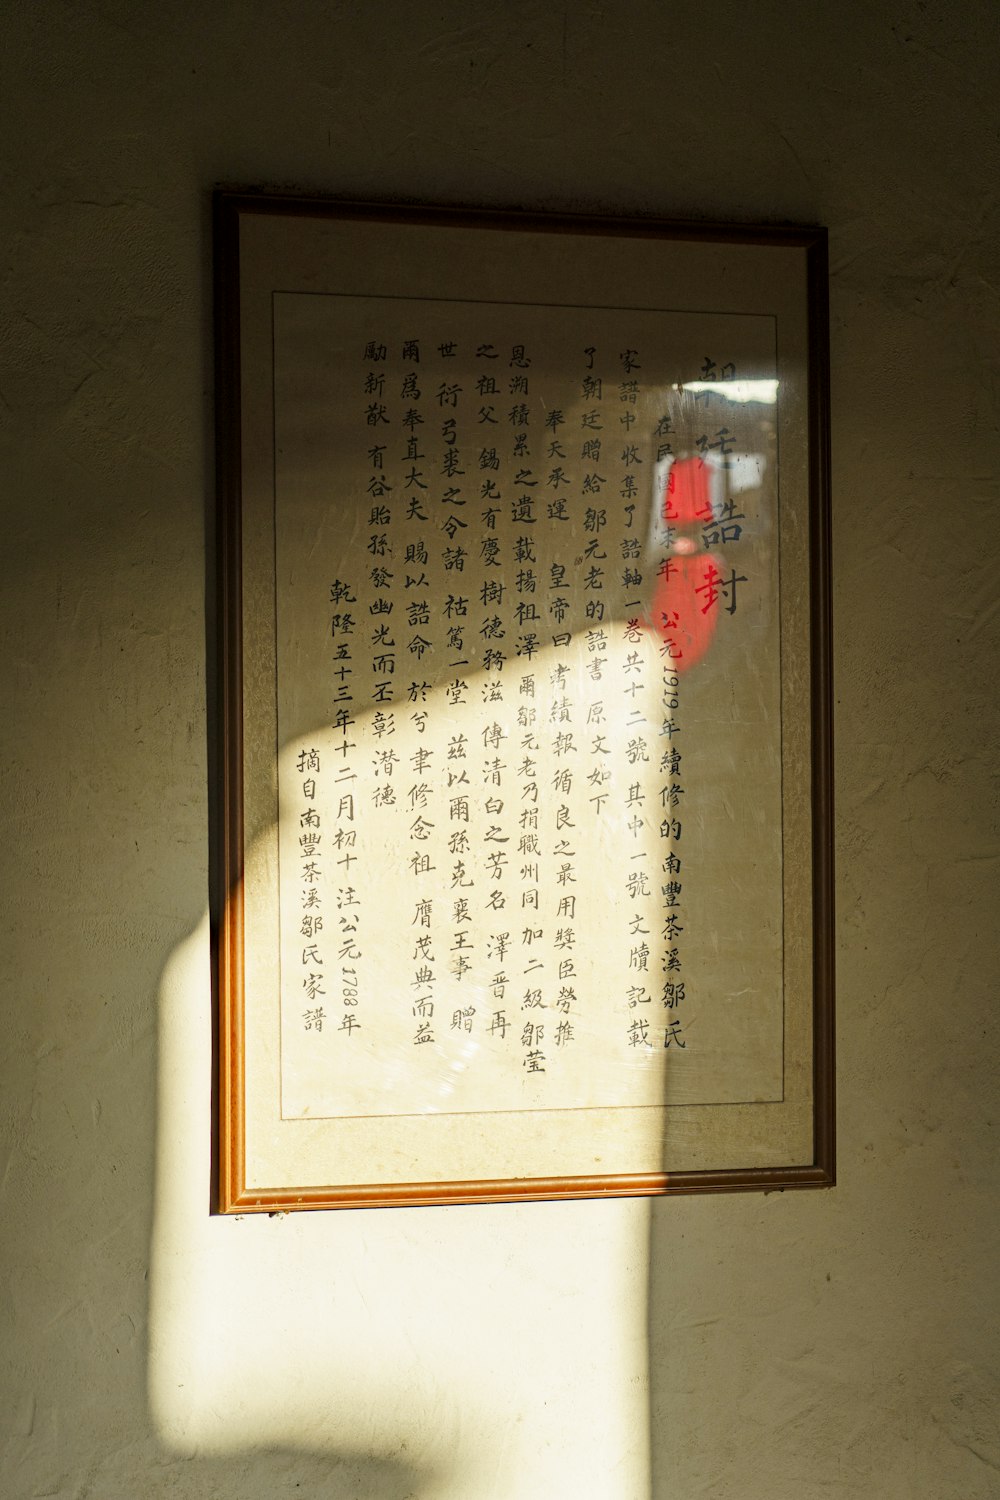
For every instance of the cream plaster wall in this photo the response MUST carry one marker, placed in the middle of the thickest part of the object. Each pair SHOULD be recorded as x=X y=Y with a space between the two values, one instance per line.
x=782 y=1348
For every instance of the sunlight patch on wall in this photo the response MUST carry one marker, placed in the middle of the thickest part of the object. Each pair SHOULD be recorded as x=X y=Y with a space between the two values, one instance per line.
x=501 y=1349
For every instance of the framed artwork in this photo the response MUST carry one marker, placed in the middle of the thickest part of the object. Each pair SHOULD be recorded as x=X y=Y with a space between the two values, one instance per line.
x=526 y=872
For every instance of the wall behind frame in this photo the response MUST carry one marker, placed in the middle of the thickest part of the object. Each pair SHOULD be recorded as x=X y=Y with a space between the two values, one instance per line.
x=761 y=1348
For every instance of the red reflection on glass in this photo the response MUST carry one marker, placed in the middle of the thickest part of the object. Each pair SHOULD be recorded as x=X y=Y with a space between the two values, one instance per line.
x=677 y=612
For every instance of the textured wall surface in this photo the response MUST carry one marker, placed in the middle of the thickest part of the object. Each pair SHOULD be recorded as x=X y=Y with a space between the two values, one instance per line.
x=787 y=1347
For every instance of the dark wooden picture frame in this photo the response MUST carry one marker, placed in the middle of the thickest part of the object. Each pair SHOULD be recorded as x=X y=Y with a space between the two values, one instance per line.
x=299 y=256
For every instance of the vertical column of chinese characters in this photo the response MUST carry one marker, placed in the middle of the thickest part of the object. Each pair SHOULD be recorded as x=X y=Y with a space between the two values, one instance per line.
x=504 y=450
x=636 y=672
x=562 y=589
x=344 y=837
x=524 y=619
x=630 y=480
x=669 y=511
x=344 y=724
x=311 y=925
x=671 y=792
x=561 y=505
x=383 y=423
x=452 y=527
x=458 y=787
x=632 y=485
x=343 y=600
x=493 y=635
x=453 y=402
x=342 y=842
x=417 y=604
x=488 y=592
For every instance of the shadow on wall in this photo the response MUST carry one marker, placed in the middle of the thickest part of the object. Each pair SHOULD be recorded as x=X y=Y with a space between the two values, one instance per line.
x=289 y=1471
